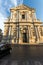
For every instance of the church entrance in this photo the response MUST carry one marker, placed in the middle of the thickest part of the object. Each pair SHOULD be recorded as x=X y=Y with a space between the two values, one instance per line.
x=25 y=37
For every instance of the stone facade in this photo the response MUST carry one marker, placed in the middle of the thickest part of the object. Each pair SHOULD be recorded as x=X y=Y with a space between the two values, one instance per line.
x=23 y=26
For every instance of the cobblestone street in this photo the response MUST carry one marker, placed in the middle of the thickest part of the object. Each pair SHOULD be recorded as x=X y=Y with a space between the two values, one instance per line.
x=24 y=55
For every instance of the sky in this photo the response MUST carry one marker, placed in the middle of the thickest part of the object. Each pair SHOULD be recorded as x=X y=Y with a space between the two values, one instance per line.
x=5 y=6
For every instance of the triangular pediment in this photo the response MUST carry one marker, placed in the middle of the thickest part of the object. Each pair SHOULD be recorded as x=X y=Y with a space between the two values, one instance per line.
x=22 y=6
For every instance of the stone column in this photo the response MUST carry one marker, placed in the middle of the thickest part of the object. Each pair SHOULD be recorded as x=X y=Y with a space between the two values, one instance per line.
x=37 y=33
x=17 y=26
x=27 y=32
x=29 y=29
x=14 y=33
x=20 y=35
x=6 y=30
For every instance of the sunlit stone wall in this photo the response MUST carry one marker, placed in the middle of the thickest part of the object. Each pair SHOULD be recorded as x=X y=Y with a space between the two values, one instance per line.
x=23 y=26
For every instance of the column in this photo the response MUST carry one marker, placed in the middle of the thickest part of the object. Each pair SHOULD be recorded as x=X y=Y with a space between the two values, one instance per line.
x=29 y=30
x=37 y=33
x=6 y=30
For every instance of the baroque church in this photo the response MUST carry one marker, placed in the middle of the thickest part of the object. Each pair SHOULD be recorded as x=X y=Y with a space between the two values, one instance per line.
x=23 y=26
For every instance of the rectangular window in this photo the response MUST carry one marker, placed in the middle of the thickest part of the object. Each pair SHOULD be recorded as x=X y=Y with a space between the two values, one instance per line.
x=23 y=16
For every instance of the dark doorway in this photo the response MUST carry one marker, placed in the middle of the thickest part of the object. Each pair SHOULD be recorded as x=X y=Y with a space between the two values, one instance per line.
x=25 y=37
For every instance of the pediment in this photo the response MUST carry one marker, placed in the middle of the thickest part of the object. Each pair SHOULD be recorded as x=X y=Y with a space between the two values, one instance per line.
x=20 y=7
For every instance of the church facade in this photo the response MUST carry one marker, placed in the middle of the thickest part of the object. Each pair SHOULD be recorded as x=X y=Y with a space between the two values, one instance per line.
x=23 y=26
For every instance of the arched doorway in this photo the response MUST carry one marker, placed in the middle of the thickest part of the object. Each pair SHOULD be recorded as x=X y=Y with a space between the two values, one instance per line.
x=25 y=35
x=25 y=40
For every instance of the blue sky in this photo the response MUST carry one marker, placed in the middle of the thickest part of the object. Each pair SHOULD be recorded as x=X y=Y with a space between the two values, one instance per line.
x=5 y=6
x=38 y=5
